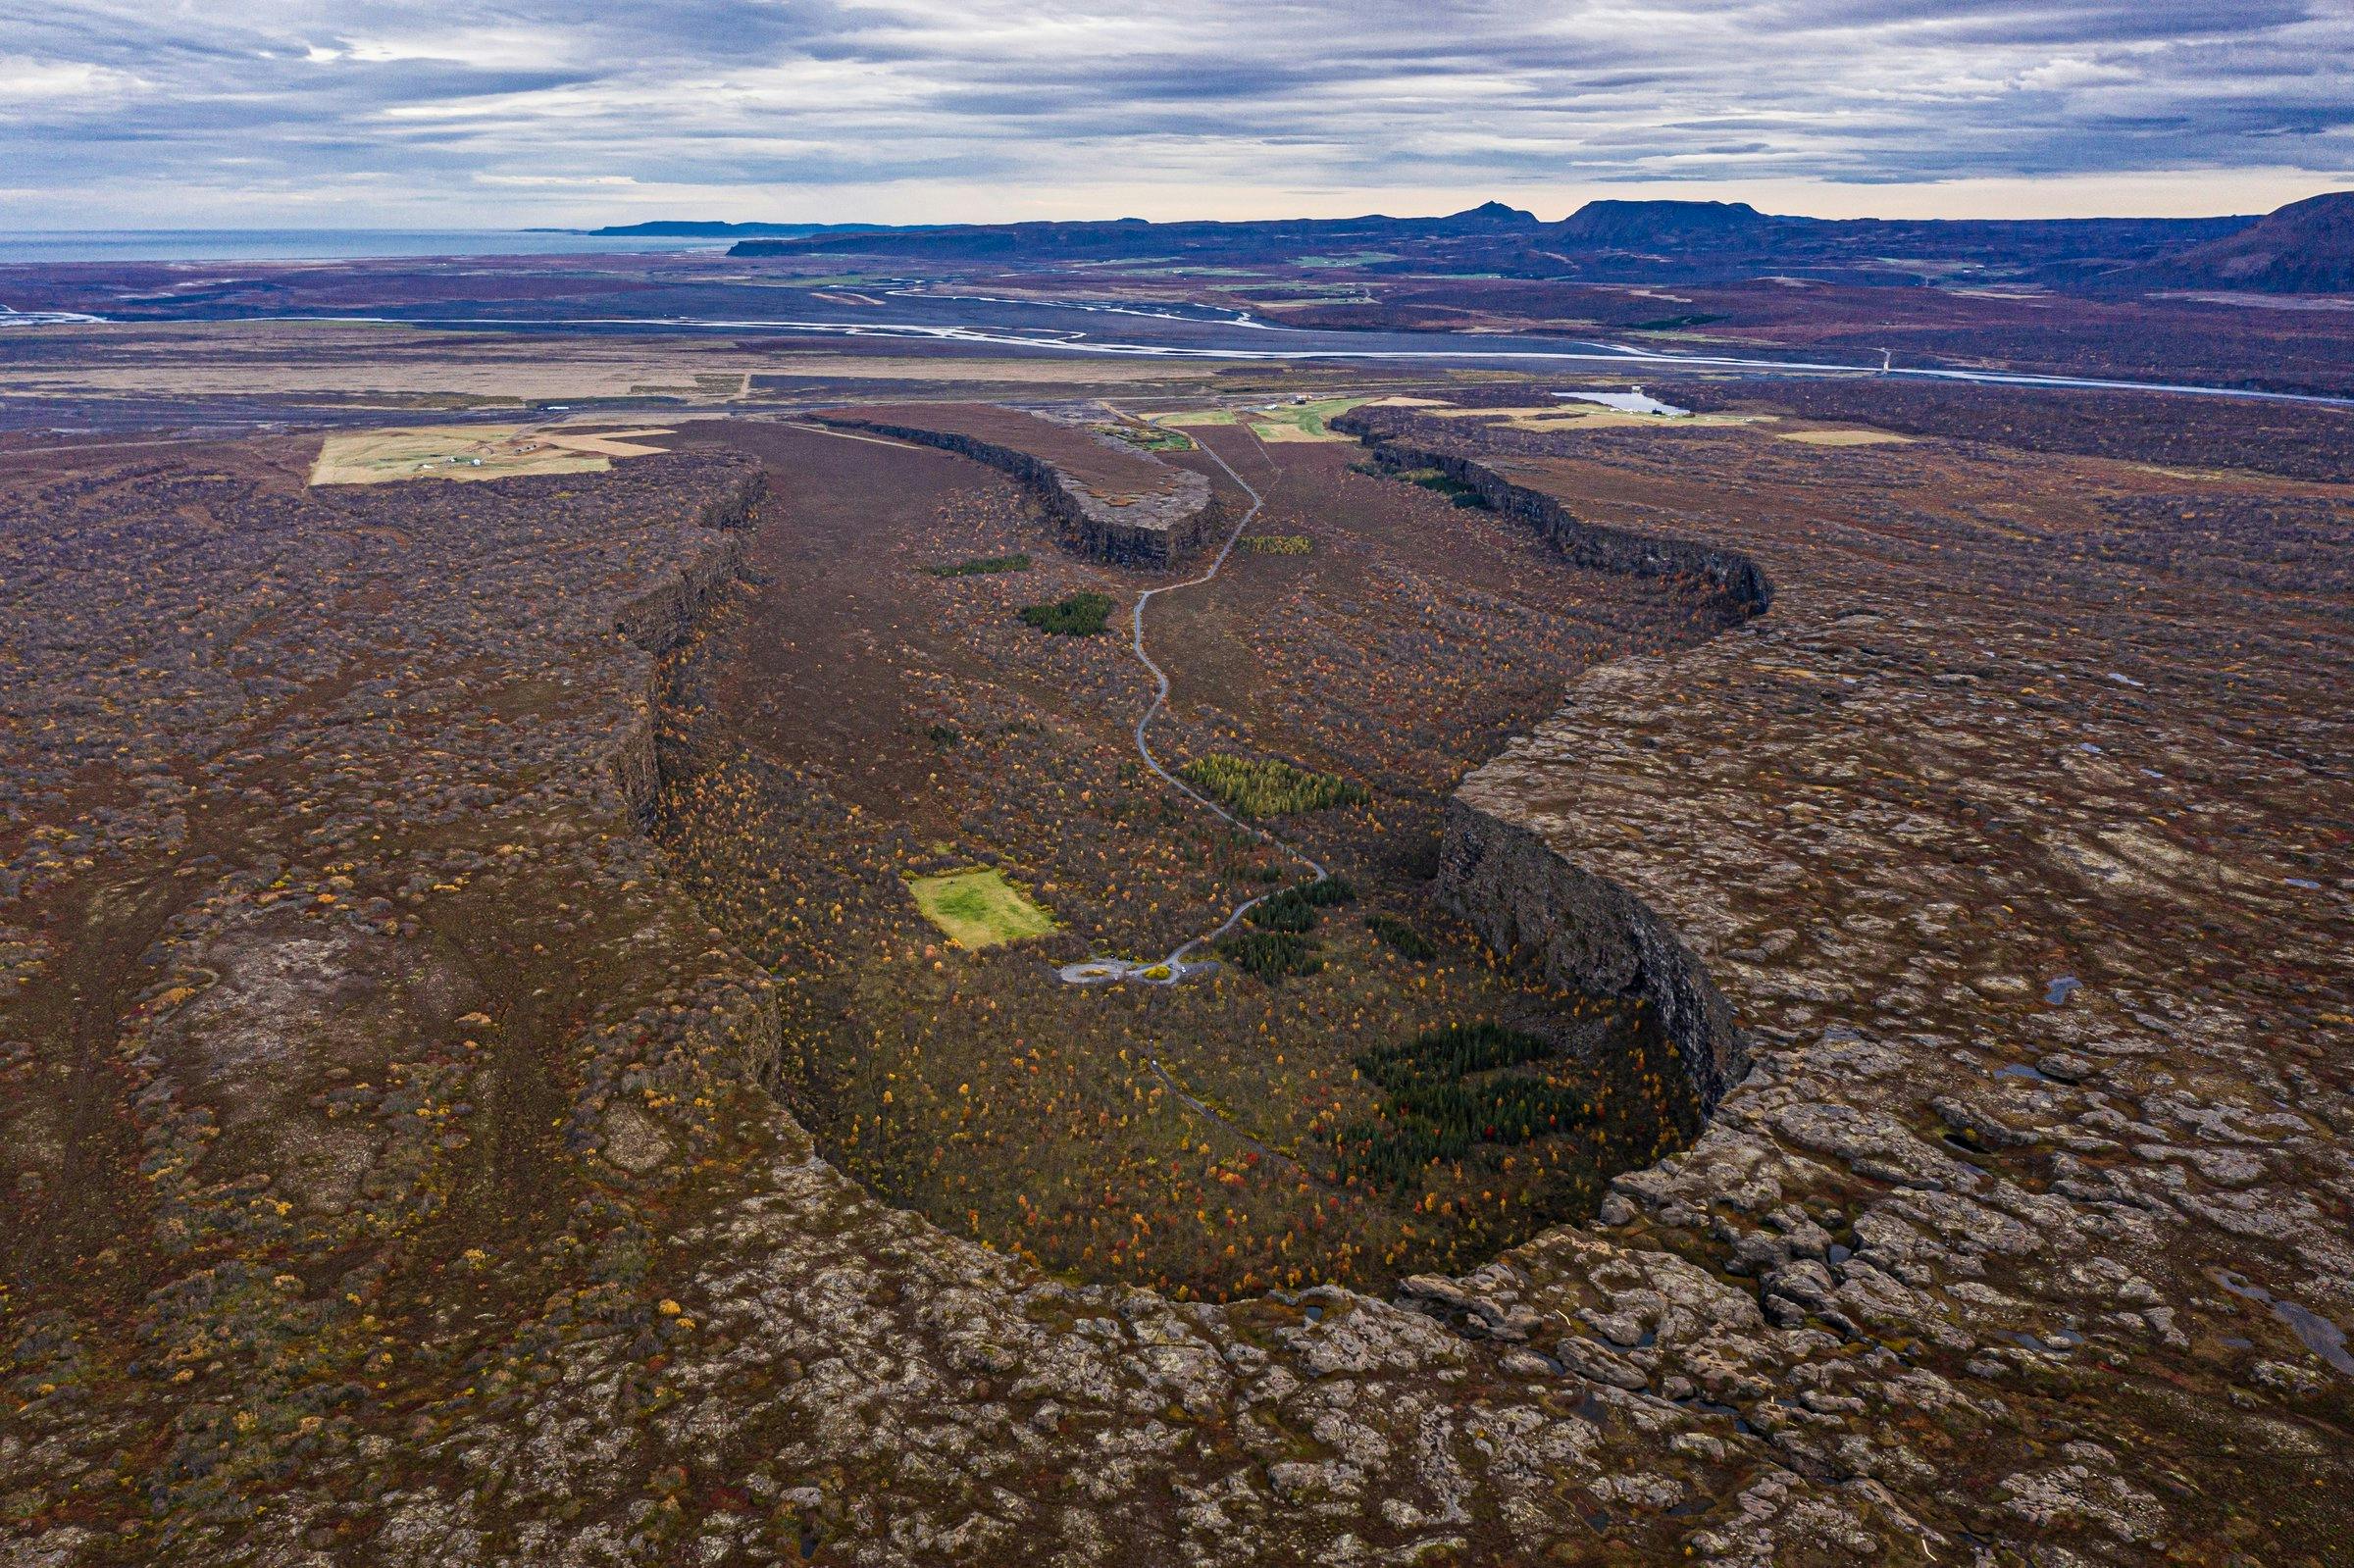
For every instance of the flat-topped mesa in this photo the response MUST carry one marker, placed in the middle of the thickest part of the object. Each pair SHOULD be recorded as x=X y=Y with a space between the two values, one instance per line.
x=1117 y=503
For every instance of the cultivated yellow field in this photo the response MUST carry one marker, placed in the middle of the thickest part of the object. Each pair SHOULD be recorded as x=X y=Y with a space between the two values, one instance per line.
x=977 y=907
x=471 y=452
x=1593 y=417
x=1288 y=422
x=1846 y=437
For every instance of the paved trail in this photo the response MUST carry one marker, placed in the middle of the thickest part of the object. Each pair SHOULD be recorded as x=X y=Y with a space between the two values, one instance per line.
x=1172 y=969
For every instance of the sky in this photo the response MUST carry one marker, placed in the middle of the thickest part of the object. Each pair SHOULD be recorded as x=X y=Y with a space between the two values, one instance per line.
x=470 y=114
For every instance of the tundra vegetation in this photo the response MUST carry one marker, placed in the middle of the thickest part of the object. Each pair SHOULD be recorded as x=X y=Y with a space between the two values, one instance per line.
x=1190 y=1136
x=1082 y=615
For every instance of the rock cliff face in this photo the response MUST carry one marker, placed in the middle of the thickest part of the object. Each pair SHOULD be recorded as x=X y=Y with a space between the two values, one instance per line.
x=1583 y=931
x=1155 y=531
x=1528 y=901
x=1736 y=582
x=658 y=619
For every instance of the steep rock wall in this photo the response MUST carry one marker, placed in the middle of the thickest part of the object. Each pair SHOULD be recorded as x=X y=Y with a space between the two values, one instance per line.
x=1156 y=532
x=1527 y=900
x=1583 y=931
x=658 y=619
x=1736 y=585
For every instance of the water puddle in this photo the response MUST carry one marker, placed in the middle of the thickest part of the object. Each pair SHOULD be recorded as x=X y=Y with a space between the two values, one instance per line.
x=2321 y=1337
x=1634 y=402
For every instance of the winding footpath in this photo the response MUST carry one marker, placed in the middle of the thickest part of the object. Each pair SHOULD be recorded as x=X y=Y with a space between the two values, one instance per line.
x=1172 y=969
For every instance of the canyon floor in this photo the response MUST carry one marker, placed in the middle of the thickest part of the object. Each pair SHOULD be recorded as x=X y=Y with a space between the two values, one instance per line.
x=473 y=1089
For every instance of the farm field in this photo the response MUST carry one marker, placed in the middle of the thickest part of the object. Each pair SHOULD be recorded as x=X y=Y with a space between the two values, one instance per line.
x=857 y=721
x=472 y=452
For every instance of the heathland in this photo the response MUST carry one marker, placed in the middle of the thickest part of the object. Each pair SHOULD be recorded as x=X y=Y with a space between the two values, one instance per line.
x=479 y=1082
x=857 y=718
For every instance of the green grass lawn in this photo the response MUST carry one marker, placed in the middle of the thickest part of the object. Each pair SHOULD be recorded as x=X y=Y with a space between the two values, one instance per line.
x=978 y=907
x=1301 y=422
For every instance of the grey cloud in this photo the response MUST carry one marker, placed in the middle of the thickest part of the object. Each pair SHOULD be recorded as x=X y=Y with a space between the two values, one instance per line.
x=813 y=94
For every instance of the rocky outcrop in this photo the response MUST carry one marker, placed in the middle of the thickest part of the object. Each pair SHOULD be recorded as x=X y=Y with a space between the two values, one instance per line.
x=1583 y=931
x=659 y=619
x=1736 y=583
x=1153 y=530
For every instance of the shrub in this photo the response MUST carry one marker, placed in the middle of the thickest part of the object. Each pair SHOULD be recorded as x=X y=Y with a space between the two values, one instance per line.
x=1401 y=938
x=1456 y=490
x=1153 y=438
x=1271 y=954
x=1266 y=788
x=1295 y=908
x=1277 y=543
x=1082 y=615
x=982 y=565
x=1432 y=1113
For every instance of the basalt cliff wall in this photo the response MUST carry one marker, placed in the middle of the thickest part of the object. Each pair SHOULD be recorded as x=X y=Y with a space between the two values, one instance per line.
x=1736 y=585
x=1527 y=900
x=658 y=619
x=1150 y=531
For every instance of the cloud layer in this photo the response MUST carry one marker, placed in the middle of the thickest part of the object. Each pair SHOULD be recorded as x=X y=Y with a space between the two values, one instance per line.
x=475 y=113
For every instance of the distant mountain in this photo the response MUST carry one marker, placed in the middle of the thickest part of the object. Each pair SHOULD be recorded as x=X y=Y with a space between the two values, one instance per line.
x=1132 y=238
x=1603 y=241
x=1486 y=218
x=691 y=228
x=1635 y=224
x=2306 y=247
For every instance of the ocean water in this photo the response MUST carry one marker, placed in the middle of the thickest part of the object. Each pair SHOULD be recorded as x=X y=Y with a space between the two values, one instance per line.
x=37 y=246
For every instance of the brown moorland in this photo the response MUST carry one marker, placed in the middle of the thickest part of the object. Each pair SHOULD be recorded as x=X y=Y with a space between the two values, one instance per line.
x=383 y=1110
x=855 y=720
